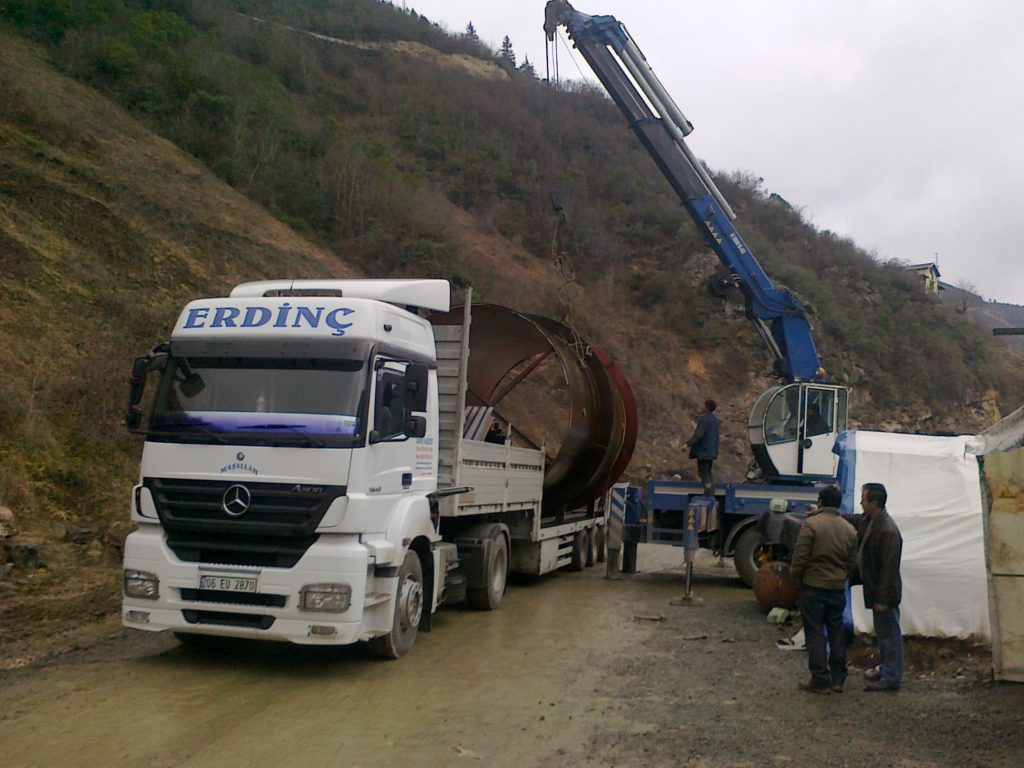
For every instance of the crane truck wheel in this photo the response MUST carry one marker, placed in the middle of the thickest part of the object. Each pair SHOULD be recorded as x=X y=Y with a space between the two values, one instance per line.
x=408 y=611
x=495 y=576
x=745 y=555
x=599 y=554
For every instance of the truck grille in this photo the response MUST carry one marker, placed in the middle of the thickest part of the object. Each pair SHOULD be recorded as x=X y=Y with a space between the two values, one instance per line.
x=274 y=529
x=271 y=509
x=229 y=549
x=232 y=598
x=248 y=620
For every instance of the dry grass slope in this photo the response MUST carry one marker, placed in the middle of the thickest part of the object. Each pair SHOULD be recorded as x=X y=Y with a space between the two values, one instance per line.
x=105 y=230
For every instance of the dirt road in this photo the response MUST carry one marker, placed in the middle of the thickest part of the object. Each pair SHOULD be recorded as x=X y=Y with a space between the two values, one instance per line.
x=572 y=670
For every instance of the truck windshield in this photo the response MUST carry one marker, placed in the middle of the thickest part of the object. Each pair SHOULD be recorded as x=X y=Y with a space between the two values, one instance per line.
x=309 y=402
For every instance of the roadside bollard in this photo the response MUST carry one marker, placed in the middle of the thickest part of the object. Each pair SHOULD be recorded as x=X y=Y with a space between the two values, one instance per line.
x=616 y=510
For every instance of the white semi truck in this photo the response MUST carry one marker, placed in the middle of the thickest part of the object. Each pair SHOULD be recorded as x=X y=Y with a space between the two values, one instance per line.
x=305 y=476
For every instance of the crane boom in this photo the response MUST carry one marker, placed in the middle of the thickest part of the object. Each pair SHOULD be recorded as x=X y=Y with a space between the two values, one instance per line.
x=779 y=316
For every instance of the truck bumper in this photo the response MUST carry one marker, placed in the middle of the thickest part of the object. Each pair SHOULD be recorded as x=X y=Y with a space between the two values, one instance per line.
x=272 y=612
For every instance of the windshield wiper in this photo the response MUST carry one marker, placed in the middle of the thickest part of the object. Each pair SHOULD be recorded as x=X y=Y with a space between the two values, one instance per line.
x=311 y=441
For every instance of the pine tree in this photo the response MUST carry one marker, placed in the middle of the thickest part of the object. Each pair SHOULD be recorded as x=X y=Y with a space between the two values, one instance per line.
x=527 y=68
x=506 y=53
x=471 y=32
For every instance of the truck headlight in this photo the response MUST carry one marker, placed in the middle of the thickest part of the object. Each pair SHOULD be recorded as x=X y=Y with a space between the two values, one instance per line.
x=330 y=598
x=141 y=584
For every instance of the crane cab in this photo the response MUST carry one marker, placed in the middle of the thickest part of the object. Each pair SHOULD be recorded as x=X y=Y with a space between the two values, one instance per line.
x=793 y=427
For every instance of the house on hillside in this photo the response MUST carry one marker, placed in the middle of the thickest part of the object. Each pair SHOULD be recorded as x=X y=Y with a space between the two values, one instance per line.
x=929 y=274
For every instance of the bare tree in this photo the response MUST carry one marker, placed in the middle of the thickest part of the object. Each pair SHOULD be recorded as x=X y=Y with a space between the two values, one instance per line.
x=968 y=296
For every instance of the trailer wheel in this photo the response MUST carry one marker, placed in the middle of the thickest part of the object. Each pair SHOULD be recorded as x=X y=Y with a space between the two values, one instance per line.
x=408 y=611
x=744 y=555
x=599 y=554
x=579 y=552
x=488 y=597
x=590 y=548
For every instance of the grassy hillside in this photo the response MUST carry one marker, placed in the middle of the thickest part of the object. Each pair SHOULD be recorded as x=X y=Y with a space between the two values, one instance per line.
x=154 y=151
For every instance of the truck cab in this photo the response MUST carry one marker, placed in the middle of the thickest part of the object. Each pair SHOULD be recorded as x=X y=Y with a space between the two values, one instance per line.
x=291 y=445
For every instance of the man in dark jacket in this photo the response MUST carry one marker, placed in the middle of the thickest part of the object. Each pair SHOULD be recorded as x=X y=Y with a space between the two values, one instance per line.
x=879 y=551
x=704 y=446
x=822 y=557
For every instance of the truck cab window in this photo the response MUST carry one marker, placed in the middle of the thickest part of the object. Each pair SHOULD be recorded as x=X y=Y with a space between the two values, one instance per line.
x=781 y=418
x=390 y=412
x=820 y=412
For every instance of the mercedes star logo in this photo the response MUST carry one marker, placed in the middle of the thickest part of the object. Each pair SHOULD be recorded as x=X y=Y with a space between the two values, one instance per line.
x=236 y=500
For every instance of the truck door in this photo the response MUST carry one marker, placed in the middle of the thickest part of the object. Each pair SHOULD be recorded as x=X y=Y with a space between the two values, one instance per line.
x=781 y=429
x=819 y=424
x=392 y=453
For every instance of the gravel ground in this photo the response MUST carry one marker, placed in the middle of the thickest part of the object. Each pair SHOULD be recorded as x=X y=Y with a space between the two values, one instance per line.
x=708 y=687
x=573 y=670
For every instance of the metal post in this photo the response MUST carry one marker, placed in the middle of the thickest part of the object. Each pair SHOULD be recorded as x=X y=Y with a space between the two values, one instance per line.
x=616 y=502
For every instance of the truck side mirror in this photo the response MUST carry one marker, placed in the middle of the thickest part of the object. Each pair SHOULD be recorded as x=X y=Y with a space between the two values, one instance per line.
x=416 y=426
x=192 y=385
x=416 y=378
x=137 y=386
x=138 y=381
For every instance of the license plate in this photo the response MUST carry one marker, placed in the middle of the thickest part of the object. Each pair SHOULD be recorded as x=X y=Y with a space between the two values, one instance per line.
x=227 y=583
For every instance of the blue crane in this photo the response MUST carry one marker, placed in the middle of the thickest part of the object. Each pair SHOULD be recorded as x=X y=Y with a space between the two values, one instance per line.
x=792 y=426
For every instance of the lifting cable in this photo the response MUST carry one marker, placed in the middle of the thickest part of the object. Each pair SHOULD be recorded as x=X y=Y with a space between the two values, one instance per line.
x=560 y=262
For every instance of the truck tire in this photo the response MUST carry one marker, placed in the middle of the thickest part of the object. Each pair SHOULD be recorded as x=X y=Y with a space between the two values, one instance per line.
x=590 y=548
x=488 y=597
x=408 y=610
x=744 y=555
x=599 y=554
x=579 y=551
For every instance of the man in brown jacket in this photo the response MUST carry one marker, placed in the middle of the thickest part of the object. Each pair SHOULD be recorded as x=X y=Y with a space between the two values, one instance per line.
x=824 y=553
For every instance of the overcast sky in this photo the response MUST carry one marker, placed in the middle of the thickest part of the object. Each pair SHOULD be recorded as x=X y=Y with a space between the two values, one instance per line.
x=898 y=123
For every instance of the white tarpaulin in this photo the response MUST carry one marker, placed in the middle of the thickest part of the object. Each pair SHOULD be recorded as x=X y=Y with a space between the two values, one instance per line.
x=935 y=498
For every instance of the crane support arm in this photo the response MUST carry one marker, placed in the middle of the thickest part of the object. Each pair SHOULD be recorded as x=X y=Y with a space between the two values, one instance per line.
x=653 y=116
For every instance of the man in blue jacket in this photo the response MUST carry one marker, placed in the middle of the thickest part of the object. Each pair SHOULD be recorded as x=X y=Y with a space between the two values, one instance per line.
x=704 y=446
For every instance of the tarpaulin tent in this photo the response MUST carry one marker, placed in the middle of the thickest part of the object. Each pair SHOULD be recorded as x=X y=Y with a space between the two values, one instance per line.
x=934 y=492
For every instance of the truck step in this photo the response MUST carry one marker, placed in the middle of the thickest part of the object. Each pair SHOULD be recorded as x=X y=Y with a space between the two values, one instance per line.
x=454 y=588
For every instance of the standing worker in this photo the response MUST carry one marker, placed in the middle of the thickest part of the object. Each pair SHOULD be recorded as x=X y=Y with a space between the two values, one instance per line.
x=879 y=551
x=822 y=557
x=704 y=446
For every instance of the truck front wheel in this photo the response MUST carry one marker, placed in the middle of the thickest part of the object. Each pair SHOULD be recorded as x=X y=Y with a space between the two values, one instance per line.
x=495 y=575
x=408 y=611
x=745 y=555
